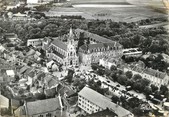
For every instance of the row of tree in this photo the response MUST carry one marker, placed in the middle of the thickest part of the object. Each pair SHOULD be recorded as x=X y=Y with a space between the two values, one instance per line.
x=137 y=82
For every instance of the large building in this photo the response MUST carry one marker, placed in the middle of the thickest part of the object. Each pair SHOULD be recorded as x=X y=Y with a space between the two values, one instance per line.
x=62 y=52
x=41 y=108
x=156 y=77
x=92 y=53
x=92 y=102
x=99 y=47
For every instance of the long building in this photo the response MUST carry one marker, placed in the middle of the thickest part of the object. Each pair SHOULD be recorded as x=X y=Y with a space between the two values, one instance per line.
x=156 y=77
x=91 y=102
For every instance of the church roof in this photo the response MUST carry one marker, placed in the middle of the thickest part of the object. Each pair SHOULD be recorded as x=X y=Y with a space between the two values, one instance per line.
x=60 y=44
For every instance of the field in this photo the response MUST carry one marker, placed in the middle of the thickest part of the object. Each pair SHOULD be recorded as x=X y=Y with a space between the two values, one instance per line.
x=127 y=14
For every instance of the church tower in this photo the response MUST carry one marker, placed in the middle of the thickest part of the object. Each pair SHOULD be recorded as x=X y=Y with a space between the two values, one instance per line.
x=72 y=57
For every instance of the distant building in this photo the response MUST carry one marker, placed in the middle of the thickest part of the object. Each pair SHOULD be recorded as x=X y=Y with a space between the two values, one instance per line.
x=38 y=1
x=156 y=77
x=132 y=52
x=41 y=108
x=91 y=102
x=20 y=17
x=35 y=42
x=107 y=63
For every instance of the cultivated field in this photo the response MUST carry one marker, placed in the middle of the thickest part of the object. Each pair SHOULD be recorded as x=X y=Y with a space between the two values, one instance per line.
x=127 y=14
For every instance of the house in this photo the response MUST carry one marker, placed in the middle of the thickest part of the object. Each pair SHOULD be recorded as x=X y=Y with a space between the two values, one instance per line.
x=132 y=52
x=4 y=105
x=4 y=102
x=91 y=101
x=107 y=63
x=10 y=73
x=35 y=42
x=43 y=108
x=14 y=104
x=156 y=77
x=50 y=82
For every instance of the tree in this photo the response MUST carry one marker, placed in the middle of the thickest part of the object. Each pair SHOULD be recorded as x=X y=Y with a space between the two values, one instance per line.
x=94 y=66
x=129 y=74
x=134 y=102
x=122 y=79
x=115 y=99
x=163 y=89
x=99 y=83
x=137 y=77
x=113 y=68
x=147 y=90
x=154 y=88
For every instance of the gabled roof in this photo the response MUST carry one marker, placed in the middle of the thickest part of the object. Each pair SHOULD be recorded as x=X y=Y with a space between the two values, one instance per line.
x=103 y=102
x=59 y=44
x=4 y=102
x=23 y=69
x=43 y=106
x=149 y=71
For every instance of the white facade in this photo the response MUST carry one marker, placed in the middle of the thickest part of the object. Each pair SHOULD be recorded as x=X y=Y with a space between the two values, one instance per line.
x=155 y=79
x=35 y=42
x=106 y=63
x=91 y=102
x=132 y=52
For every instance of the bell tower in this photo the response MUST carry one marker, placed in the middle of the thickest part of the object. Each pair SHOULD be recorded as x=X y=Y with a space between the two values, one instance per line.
x=71 y=49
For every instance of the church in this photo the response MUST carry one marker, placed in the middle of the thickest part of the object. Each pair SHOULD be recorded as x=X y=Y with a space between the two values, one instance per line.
x=64 y=53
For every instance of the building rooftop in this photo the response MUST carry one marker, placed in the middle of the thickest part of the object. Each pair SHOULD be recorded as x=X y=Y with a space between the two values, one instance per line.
x=43 y=106
x=103 y=102
x=99 y=46
x=59 y=44
x=4 y=102
x=149 y=71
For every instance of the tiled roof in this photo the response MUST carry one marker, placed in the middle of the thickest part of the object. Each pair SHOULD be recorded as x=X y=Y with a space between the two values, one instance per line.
x=59 y=44
x=96 y=37
x=155 y=73
x=94 y=47
x=58 y=54
x=4 y=102
x=149 y=71
x=43 y=106
x=103 y=101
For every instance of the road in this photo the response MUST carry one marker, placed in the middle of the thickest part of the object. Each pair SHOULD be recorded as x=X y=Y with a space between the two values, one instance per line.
x=154 y=25
x=111 y=83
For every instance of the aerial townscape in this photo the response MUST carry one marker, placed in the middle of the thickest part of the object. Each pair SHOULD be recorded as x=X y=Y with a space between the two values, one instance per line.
x=84 y=58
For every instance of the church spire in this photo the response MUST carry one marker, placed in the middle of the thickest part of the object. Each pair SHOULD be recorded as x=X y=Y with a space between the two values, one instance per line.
x=71 y=32
x=71 y=35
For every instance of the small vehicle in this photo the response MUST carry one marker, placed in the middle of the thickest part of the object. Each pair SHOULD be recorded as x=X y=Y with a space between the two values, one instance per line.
x=118 y=85
x=108 y=81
